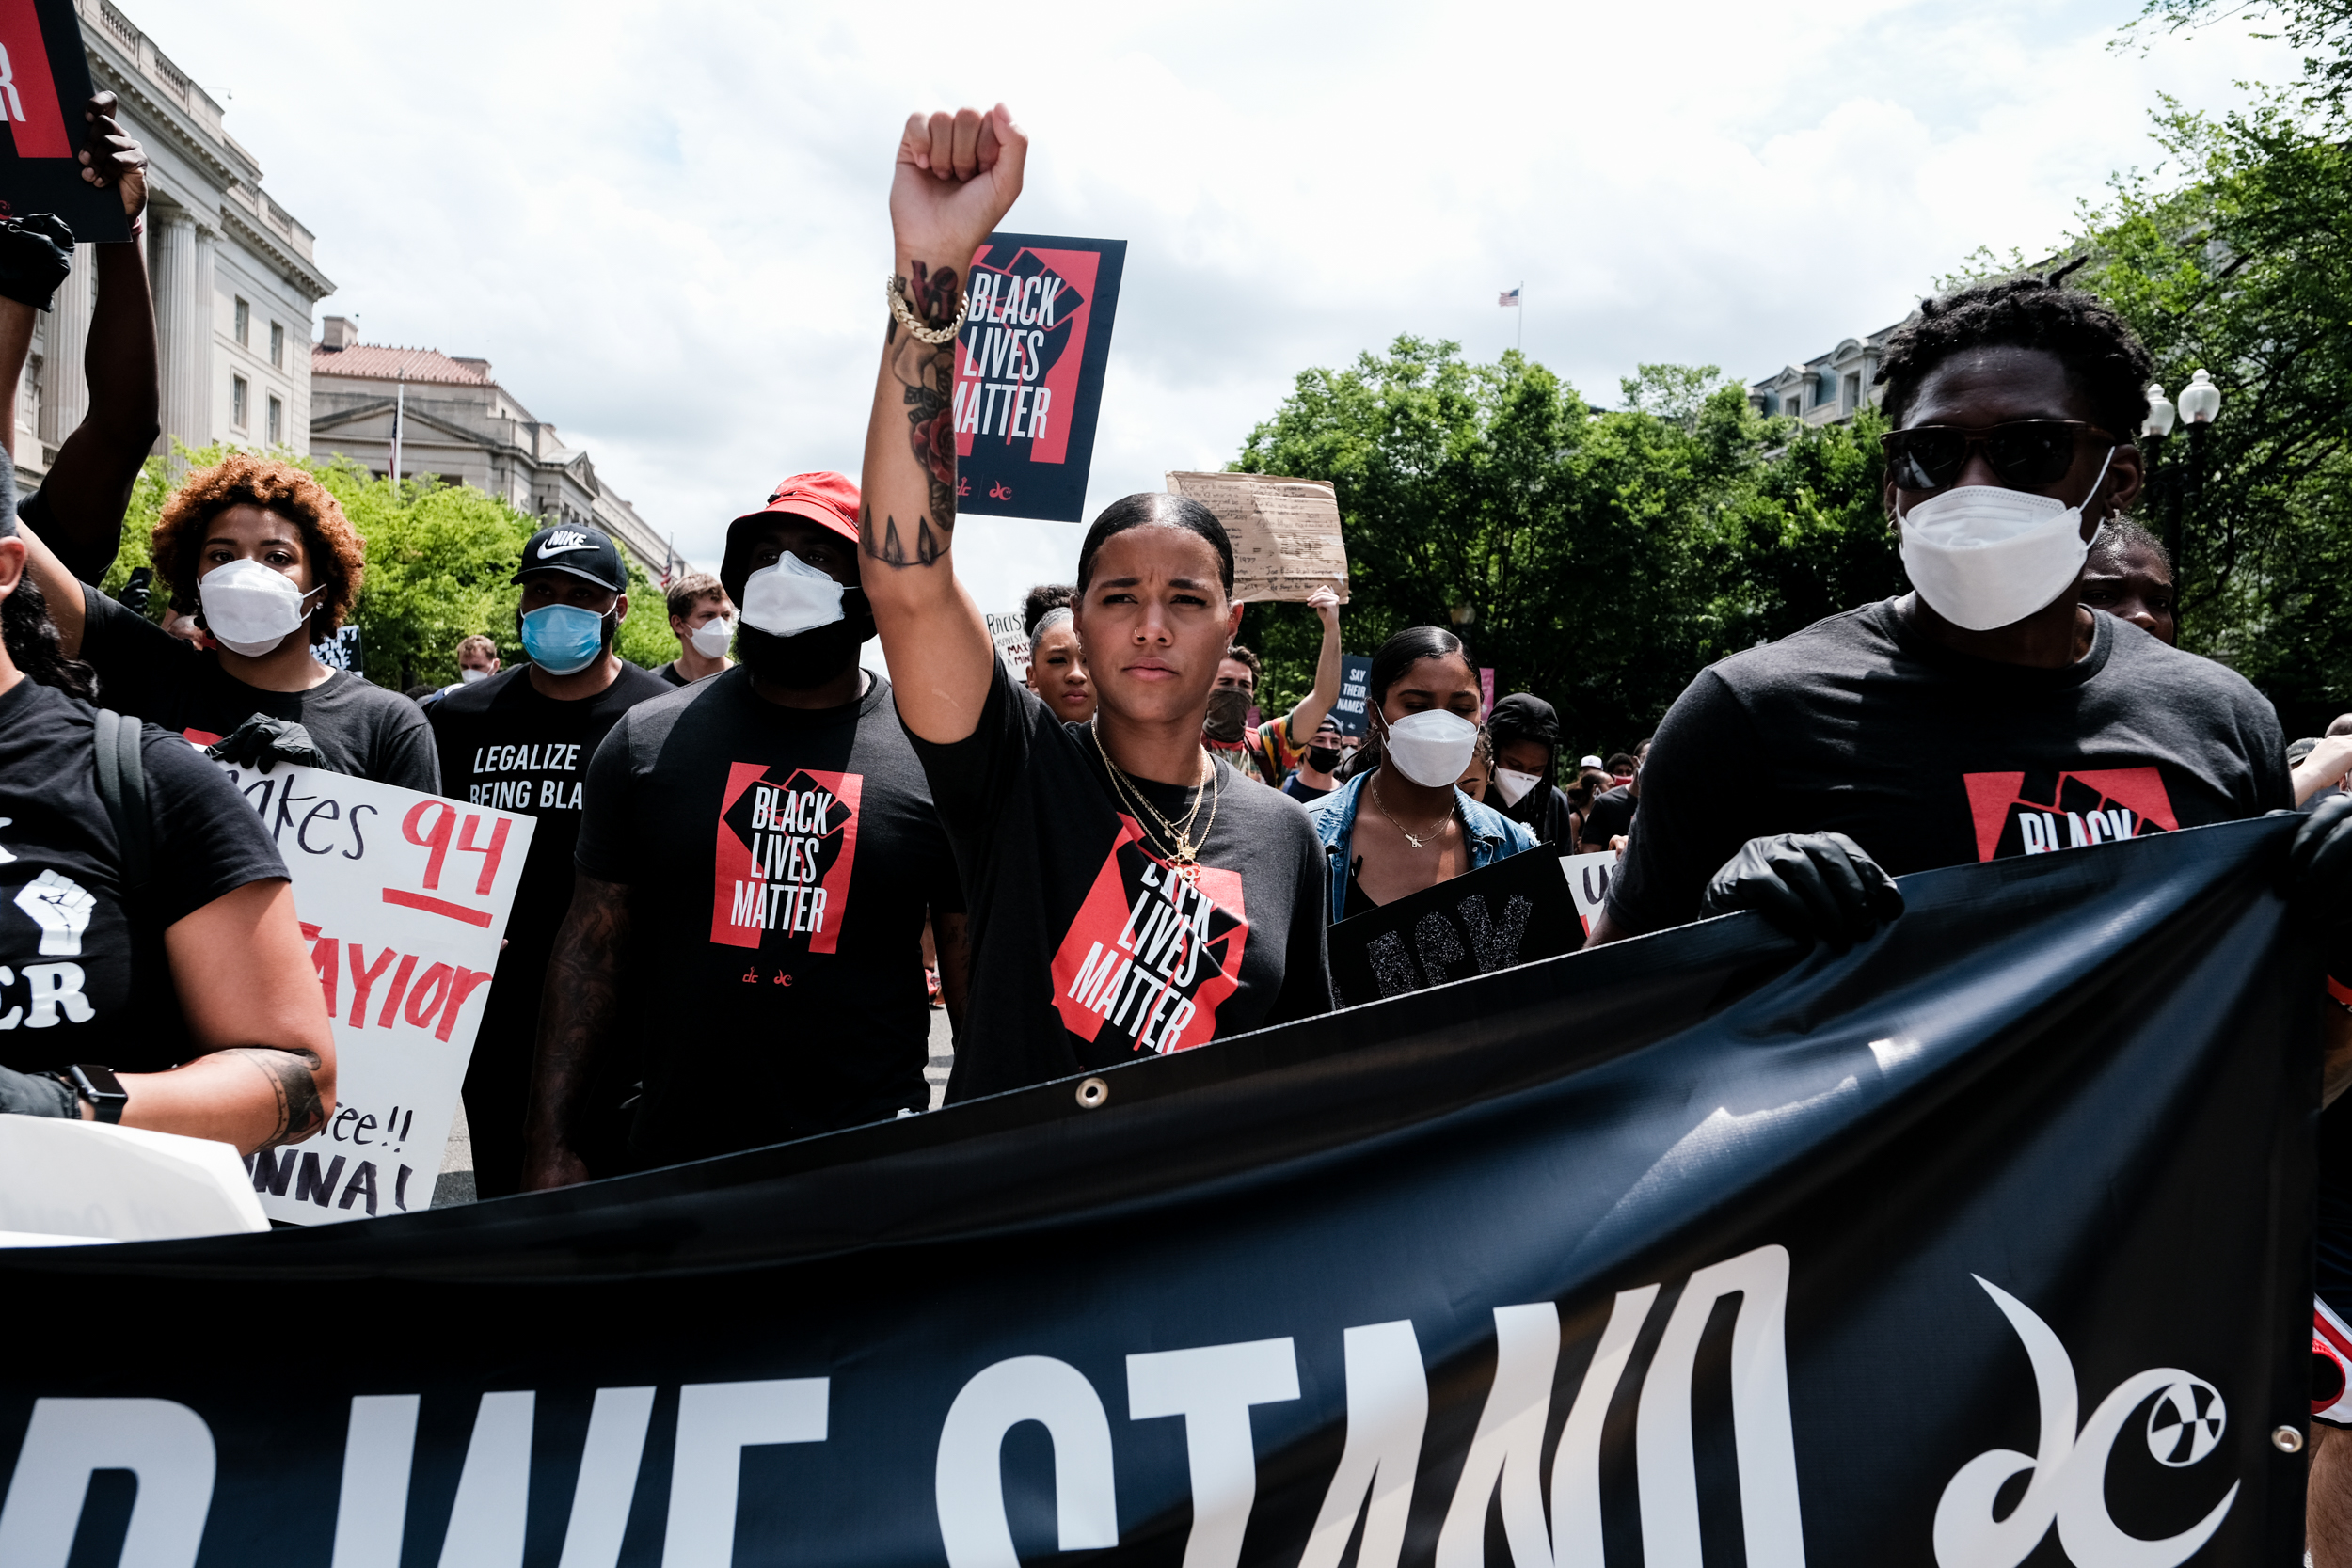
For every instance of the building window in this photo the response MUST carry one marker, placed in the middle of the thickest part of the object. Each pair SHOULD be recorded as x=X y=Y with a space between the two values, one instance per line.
x=245 y=325
x=277 y=422
x=1853 y=391
x=238 y=391
x=278 y=345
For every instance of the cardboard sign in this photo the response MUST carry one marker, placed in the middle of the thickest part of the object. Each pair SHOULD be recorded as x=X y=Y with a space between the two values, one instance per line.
x=1588 y=882
x=1285 y=531
x=1029 y=366
x=68 y=1181
x=1512 y=912
x=1351 y=710
x=1012 y=642
x=44 y=81
x=404 y=899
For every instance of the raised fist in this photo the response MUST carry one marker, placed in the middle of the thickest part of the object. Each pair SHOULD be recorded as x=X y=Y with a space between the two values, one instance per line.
x=59 y=906
x=957 y=176
x=111 y=158
x=1325 y=602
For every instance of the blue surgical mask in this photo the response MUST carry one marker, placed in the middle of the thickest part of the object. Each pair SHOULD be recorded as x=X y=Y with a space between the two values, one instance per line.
x=564 y=638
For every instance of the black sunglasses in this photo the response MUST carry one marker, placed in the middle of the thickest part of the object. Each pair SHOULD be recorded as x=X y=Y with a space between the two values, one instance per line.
x=2024 y=454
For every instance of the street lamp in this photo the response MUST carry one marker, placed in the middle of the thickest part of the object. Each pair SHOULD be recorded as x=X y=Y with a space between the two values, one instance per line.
x=2200 y=404
x=2201 y=401
x=1463 y=614
x=2152 y=431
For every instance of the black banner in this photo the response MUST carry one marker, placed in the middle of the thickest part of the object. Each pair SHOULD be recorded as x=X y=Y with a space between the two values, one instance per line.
x=1029 y=368
x=1515 y=911
x=1986 y=1244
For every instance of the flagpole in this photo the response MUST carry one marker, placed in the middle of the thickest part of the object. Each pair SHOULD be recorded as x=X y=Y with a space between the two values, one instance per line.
x=1521 y=291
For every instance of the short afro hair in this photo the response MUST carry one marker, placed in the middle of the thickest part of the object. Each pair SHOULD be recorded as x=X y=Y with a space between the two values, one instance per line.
x=1042 y=599
x=2122 y=536
x=2101 y=353
x=337 y=558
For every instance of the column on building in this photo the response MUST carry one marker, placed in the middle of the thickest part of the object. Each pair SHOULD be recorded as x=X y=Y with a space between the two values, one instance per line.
x=65 y=391
x=184 y=321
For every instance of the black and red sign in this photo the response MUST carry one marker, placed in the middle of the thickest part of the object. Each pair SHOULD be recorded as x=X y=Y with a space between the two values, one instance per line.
x=44 y=80
x=1029 y=366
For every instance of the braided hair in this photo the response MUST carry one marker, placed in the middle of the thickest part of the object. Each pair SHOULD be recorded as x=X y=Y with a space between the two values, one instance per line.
x=2102 y=357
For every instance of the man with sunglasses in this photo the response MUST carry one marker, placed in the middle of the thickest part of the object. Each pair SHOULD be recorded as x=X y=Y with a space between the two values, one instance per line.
x=1986 y=713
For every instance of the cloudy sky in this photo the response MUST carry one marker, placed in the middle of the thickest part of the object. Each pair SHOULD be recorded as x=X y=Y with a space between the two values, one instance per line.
x=664 y=225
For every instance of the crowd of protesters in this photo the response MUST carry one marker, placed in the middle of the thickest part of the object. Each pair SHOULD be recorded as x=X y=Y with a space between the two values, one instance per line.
x=1114 y=855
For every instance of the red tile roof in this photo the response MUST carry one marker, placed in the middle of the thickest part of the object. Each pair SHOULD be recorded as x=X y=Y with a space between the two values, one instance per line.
x=389 y=364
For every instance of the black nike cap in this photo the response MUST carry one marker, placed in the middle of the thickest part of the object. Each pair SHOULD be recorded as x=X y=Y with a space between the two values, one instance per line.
x=584 y=552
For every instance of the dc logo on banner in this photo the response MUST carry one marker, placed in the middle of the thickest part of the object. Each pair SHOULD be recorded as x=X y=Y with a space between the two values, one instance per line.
x=2069 y=1484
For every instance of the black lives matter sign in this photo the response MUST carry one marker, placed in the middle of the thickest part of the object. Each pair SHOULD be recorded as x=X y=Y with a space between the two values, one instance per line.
x=44 y=80
x=1029 y=367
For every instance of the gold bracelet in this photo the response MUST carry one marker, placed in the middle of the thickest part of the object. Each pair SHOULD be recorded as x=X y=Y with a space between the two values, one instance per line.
x=905 y=315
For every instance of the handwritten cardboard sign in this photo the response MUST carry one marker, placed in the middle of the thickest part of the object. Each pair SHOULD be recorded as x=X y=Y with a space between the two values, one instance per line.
x=1029 y=367
x=44 y=81
x=1011 y=639
x=1514 y=912
x=1285 y=531
x=404 y=899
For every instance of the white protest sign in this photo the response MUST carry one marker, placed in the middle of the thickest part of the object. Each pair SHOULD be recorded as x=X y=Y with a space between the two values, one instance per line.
x=404 y=899
x=1588 y=879
x=1011 y=640
x=1285 y=533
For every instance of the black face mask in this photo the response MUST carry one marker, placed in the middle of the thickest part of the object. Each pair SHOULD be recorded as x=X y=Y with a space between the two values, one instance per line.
x=806 y=660
x=1228 y=710
x=1323 y=758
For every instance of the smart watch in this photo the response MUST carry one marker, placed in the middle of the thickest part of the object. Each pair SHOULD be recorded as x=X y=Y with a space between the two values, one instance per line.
x=102 y=1088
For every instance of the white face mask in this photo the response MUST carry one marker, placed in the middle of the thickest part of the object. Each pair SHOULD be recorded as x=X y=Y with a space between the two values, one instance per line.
x=248 y=608
x=470 y=676
x=711 y=638
x=1431 y=748
x=790 y=597
x=1513 y=785
x=1982 y=556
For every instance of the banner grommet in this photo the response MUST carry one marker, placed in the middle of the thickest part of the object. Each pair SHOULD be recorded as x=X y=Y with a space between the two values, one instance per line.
x=2287 y=1439
x=1092 y=1093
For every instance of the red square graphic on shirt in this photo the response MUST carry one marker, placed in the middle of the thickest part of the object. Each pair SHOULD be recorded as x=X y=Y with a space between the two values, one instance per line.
x=1151 y=954
x=785 y=850
x=2034 y=813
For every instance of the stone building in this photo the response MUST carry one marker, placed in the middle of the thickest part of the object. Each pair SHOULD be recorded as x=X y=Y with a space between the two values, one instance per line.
x=458 y=424
x=1827 y=388
x=233 y=272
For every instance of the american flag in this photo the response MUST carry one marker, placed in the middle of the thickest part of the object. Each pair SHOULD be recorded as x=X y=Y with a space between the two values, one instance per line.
x=1507 y=298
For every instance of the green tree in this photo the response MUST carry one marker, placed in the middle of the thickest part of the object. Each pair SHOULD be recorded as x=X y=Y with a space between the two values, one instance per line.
x=1604 y=556
x=439 y=562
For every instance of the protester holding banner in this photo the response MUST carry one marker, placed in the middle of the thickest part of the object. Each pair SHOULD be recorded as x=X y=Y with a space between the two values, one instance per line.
x=702 y=617
x=1525 y=730
x=274 y=566
x=1069 y=837
x=152 y=954
x=2129 y=574
x=1057 y=669
x=1420 y=830
x=521 y=742
x=1270 y=750
x=763 y=844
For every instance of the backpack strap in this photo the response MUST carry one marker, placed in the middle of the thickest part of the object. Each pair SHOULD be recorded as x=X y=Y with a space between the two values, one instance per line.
x=122 y=790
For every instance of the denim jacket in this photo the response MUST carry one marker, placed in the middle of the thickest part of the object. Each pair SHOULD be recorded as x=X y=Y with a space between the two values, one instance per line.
x=1492 y=835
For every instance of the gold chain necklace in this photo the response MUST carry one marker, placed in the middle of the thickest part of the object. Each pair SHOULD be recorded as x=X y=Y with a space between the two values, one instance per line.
x=1184 y=854
x=1373 y=788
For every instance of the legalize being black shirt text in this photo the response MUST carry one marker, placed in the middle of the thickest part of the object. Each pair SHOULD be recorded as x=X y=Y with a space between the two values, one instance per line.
x=1087 y=948
x=1929 y=757
x=359 y=729
x=84 y=976
x=505 y=745
x=779 y=863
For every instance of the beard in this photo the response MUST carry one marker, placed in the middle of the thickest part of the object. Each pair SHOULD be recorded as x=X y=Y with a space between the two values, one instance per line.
x=806 y=659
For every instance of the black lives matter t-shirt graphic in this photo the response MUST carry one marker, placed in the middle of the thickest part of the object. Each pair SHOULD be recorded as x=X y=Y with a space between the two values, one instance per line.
x=2034 y=813
x=786 y=847
x=1152 y=953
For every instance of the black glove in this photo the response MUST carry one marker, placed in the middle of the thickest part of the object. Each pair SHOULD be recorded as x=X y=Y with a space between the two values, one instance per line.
x=36 y=253
x=262 y=742
x=37 y=1094
x=1814 y=886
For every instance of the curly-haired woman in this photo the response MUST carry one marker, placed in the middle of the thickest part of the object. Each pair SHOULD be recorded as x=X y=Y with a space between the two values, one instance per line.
x=274 y=566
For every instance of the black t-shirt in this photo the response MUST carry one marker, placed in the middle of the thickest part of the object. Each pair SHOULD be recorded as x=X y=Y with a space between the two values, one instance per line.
x=1928 y=757
x=359 y=729
x=1544 y=812
x=1611 y=814
x=84 y=976
x=1086 y=950
x=779 y=863
x=505 y=745
x=669 y=672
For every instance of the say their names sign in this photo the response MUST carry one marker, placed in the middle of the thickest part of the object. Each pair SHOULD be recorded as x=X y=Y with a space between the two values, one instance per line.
x=1285 y=531
x=404 y=899
x=1029 y=367
x=44 y=81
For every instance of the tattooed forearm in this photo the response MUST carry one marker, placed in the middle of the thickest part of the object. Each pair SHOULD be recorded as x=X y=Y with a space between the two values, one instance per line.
x=926 y=373
x=581 y=1005
x=292 y=1077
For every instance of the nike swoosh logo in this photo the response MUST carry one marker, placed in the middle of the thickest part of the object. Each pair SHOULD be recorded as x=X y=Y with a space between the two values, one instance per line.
x=547 y=550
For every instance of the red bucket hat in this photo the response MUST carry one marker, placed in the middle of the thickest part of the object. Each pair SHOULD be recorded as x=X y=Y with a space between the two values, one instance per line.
x=829 y=498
